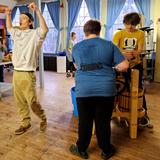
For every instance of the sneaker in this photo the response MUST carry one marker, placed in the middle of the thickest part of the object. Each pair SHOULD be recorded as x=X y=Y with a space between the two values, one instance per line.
x=43 y=125
x=108 y=155
x=150 y=125
x=74 y=150
x=68 y=75
x=73 y=74
x=144 y=121
x=22 y=129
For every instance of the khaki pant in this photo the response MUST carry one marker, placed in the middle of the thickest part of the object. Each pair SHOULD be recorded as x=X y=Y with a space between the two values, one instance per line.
x=24 y=88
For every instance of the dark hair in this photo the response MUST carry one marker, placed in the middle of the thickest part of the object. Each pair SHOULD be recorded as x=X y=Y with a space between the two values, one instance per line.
x=92 y=27
x=31 y=19
x=132 y=18
x=72 y=34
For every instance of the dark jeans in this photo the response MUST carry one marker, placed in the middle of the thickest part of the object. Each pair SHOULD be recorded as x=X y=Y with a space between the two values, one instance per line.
x=1 y=74
x=70 y=66
x=98 y=109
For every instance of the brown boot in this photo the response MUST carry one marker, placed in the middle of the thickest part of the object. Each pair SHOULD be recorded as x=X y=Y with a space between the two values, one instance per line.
x=22 y=129
x=43 y=125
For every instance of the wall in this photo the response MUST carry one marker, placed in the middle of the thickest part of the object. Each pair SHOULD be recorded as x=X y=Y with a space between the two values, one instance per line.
x=103 y=18
x=9 y=3
x=155 y=15
x=2 y=16
x=63 y=25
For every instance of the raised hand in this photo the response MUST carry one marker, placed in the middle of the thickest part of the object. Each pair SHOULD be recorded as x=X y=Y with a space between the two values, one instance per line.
x=42 y=22
x=8 y=11
x=33 y=6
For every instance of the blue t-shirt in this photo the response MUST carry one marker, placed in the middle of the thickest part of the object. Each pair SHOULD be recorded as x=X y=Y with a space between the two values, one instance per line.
x=98 y=82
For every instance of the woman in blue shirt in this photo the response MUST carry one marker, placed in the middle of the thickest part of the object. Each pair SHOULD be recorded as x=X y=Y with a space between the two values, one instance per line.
x=96 y=60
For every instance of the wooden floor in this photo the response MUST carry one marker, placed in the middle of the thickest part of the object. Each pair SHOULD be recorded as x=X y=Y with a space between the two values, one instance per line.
x=62 y=127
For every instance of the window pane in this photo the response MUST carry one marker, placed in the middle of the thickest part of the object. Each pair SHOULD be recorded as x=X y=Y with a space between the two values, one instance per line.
x=49 y=45
x=128 y=7
x=82 y=18
x=15 y=21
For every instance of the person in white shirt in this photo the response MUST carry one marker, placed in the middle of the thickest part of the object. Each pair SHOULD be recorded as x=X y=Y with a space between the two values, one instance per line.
x=27 y=43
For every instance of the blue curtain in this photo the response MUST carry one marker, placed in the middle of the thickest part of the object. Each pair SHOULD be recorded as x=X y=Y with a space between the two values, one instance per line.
x=35 y=16
x=42 y=7
x=54 y=10
x=144 y=8
x=93 y=8
x=114 y=8
x=23 y=9
x=73 y=10
x=14 y=10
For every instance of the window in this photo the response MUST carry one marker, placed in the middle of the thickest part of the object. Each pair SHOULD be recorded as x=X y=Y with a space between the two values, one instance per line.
x=16 y=18
x=82 y=18
x=128 y=7
x=50 y=43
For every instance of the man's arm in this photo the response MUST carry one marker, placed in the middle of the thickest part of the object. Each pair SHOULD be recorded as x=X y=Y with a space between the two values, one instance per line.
x=140 y=48
x=42 y=22
x=8 y=18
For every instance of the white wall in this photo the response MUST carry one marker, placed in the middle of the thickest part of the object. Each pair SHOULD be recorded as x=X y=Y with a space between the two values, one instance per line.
x=9 y=3
x=103 y=17
x=2 y=16
x=155 y=15
x=63 y=25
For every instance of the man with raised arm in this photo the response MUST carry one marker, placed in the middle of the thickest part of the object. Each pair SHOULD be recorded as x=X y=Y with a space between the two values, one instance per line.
x=27 y=43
